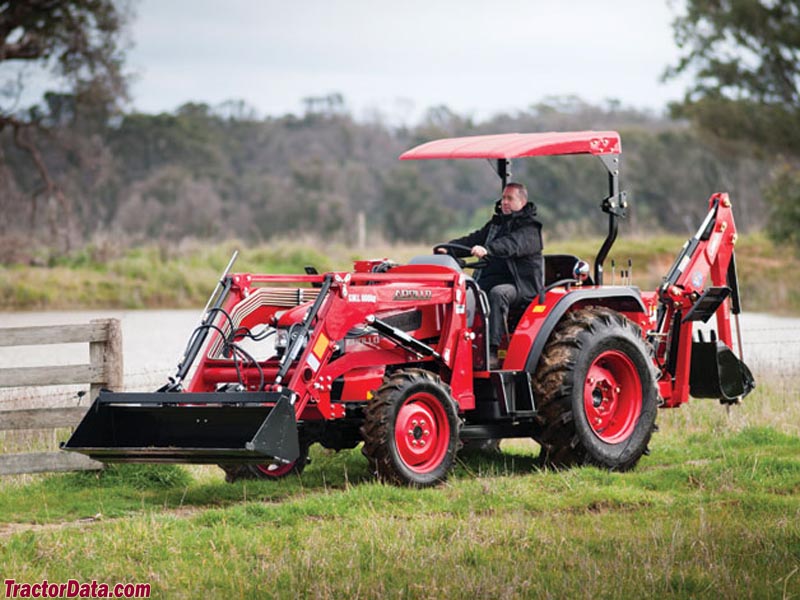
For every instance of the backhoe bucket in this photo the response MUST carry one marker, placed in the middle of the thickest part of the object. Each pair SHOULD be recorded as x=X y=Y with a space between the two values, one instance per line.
x=165 y=427
x=716 y=372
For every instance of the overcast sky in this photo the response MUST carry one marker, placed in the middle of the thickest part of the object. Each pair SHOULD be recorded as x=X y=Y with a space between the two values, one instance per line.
x=400 y=57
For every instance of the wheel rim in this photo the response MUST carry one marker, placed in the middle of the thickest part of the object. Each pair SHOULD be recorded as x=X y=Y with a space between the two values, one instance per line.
x=612 y=395
x=276 y=468
x=422 y=432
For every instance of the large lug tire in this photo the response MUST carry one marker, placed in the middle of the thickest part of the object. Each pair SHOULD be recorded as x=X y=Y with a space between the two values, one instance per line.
x=270 y=470
x=596 y=392
x=411 y=429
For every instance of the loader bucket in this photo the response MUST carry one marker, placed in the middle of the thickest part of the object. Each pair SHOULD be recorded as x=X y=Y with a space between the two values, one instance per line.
x=716 y=372
x=164 y=427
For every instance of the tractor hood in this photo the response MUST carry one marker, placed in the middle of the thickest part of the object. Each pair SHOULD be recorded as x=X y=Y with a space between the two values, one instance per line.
x=293 y=315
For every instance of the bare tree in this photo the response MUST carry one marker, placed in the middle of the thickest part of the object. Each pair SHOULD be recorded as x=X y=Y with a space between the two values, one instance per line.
x=77 y=44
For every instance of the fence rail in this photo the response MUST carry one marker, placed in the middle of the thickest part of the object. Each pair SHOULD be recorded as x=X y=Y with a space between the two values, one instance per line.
x=104 y=370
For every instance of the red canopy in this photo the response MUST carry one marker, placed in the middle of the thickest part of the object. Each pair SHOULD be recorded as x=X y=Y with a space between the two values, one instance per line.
x=518 y=145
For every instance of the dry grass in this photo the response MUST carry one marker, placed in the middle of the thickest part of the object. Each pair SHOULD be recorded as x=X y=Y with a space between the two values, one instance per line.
x=155 y=277
x=774 y=404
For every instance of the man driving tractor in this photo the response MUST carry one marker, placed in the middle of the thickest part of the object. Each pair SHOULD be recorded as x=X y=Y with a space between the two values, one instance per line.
x=511 y=243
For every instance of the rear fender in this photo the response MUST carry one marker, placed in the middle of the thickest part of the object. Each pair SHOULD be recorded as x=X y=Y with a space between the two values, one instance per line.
x=540 y=320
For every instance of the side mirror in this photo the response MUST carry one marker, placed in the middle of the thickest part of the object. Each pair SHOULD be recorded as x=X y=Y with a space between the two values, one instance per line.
x=581 y=271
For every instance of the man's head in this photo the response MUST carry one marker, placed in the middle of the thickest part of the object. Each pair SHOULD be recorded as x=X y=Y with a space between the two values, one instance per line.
x=514 y=198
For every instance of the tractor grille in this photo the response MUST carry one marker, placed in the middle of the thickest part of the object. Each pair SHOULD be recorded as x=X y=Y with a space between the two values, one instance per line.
x=274 y=296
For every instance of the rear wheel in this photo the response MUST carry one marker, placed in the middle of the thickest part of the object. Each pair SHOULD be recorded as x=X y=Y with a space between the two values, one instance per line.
x=411 y=429
x=596 y=392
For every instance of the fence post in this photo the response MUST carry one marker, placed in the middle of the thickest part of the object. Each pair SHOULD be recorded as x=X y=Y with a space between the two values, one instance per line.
x=108 y=355
x=105 y=370
x=361 y=230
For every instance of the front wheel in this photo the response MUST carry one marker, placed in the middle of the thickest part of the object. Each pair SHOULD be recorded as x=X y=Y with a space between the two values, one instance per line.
x=596 y=391
x=411 y=429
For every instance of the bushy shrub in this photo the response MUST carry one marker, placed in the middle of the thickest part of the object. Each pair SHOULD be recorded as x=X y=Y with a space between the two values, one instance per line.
x=783 y=198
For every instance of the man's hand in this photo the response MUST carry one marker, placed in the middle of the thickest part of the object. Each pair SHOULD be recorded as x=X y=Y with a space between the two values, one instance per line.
x=441 y=251
x=478 y=251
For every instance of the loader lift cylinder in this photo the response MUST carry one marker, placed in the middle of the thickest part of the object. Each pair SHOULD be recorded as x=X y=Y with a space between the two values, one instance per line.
x=299 y=340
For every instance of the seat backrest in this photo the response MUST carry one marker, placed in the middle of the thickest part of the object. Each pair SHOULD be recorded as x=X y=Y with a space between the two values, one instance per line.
x=558 y=267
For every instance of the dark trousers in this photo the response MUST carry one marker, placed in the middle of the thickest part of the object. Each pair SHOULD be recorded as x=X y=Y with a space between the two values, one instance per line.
x=501 y=297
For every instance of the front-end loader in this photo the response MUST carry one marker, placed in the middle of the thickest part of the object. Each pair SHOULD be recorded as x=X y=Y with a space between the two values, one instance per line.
x=395 y=356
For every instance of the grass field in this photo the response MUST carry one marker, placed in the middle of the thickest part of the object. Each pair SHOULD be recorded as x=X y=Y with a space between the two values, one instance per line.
x=153 y=277
x=713 y=512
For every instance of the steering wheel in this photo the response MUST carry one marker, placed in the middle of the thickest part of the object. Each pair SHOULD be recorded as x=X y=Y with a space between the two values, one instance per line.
x=477 y=264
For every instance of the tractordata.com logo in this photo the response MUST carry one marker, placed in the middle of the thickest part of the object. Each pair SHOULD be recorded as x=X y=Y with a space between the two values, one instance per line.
x=75 y=589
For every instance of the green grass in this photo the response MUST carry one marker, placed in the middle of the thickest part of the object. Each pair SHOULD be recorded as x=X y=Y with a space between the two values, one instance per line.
x=157 y=277
x=713 y=512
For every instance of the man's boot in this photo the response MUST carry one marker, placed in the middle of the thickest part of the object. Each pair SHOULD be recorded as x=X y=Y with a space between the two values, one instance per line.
x=494 y=360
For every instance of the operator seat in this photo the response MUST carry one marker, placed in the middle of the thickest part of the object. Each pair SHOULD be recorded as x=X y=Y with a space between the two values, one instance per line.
x=558 y=267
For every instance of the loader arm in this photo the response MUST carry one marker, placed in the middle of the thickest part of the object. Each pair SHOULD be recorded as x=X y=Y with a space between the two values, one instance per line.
x=353 y=301
x=349 y=302
x=701 y=283
x=241 y=409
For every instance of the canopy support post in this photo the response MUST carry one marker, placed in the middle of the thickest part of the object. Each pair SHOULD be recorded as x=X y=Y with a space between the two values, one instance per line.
x=616 y=206
x=503 y=171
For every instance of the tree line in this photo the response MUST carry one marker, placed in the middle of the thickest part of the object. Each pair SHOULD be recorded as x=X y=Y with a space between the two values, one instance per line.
x=205 y=172
x=76 y=165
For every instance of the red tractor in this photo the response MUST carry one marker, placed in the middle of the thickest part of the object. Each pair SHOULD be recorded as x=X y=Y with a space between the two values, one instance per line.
x=395 y=355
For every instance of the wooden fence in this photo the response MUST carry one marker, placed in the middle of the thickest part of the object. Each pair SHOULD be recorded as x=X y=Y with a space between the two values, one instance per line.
x=104 y=370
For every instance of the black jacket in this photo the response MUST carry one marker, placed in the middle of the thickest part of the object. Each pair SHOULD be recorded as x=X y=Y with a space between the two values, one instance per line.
x=517 y=238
